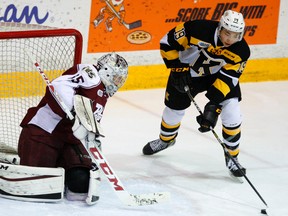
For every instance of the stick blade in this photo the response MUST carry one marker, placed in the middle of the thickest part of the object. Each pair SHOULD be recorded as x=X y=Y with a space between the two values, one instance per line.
x=133 y=25
x=147 y=199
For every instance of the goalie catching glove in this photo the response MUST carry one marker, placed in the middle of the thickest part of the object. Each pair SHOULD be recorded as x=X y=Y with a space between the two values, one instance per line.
x=209 y=118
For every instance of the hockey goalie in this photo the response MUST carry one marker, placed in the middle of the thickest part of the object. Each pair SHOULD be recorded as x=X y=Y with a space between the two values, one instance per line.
x=54 y=162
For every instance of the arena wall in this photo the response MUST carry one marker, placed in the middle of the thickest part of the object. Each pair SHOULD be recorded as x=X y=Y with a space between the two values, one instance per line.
x=267 y=32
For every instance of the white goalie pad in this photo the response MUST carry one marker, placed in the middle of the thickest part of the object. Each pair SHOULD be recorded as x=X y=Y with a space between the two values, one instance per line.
x=37 y=184
x=83 y=109
x=94 y=184
x=8 y=154
x=9 y=158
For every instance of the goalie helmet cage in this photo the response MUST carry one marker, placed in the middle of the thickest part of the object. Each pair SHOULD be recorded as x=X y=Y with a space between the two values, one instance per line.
x=21 y=86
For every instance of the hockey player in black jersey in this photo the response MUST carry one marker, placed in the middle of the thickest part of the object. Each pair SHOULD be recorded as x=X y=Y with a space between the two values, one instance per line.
x=208 y=56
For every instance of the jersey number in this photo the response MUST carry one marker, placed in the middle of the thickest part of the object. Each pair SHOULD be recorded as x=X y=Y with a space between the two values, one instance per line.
x=98 y=112
x=179 y=34
x=77 y=79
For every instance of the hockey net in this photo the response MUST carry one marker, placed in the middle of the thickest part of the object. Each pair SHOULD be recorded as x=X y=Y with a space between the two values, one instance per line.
x=21 y=86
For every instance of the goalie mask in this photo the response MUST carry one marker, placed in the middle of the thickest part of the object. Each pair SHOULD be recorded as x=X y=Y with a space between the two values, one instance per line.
x=232 y=21
x=113 y=71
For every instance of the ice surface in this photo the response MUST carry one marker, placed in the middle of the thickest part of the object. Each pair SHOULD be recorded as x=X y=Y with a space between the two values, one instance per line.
x=193 y=170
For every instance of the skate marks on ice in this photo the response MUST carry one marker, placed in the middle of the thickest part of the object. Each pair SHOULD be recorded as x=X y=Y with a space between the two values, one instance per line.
x=193 y=170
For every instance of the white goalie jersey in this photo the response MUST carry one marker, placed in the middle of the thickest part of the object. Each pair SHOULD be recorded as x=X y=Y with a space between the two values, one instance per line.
x=83 y=80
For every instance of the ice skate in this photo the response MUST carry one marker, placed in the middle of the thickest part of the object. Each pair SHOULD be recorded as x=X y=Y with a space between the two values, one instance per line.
x=108 y=25
x=98 y=20
x=234 y=172
x=156 y=146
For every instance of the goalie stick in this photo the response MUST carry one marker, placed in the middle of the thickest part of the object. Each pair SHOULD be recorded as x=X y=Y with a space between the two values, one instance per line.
x=129 y=26
x=50 y=86
x=116 y=184
x=83 y=109
x=97 y=157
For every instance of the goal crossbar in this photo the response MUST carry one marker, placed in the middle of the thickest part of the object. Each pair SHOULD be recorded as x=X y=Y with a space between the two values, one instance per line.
x=49 y=33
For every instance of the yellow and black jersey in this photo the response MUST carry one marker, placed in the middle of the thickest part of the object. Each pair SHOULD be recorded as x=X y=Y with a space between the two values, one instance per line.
x=195 y=46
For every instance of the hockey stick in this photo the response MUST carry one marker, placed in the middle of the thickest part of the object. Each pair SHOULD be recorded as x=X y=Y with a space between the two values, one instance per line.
x=82 y=106
x=50 y=86
x=129 y=26
x=187 y=89
x=97 y=157
x=121 y=192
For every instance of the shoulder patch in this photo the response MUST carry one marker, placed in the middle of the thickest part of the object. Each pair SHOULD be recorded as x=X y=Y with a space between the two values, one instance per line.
x=203 y=44
x=89 y=72
x=242 y=66
x=100 y=93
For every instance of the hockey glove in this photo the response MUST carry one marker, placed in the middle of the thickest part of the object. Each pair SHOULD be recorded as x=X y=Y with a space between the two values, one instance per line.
x=209 y=118
x=180 y=79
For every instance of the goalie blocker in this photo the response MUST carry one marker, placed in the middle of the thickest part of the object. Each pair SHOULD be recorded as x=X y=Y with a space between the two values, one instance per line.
x=40 y=184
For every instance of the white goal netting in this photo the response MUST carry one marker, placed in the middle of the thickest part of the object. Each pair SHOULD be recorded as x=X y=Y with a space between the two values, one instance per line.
x=21 y=86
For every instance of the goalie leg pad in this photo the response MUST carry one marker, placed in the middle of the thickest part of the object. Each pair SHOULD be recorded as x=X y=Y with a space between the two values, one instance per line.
x=8 y=154
x=37 y=184
x=9 y=158
x=94 y=186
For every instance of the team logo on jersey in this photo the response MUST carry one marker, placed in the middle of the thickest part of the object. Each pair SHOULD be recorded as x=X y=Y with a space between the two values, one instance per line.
x=203 y=44
x=215 y=50
x=89 y=72
x=100 y=93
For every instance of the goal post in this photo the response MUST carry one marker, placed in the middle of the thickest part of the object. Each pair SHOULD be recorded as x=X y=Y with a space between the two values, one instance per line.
x=21 y=86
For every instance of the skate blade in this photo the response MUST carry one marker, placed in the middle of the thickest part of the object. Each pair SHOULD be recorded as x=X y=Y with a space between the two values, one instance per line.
x=236 y=179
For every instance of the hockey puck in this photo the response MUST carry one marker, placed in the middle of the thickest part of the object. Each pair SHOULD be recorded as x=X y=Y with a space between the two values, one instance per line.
x=263 y=211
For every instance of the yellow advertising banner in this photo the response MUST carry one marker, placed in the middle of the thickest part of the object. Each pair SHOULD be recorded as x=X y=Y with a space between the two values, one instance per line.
x=129 y=25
